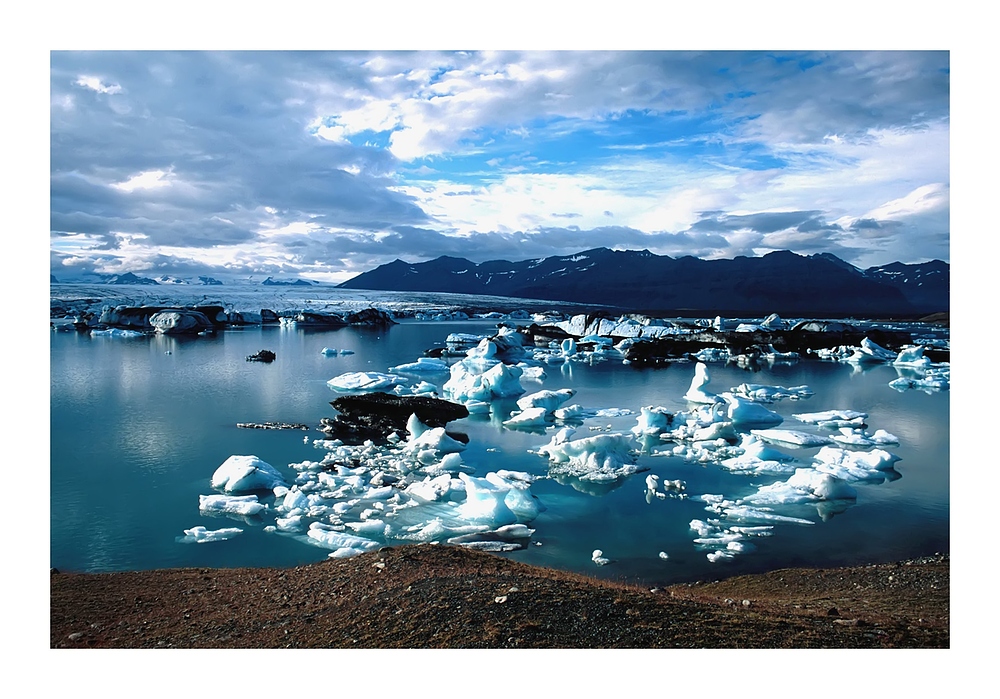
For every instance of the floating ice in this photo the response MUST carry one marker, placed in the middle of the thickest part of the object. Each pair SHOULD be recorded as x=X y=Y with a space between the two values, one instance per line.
x=805 y=485
x=871 y=353
x=598 y=557
x=200 y=535
x=422 y=365
x=768 y=394
x=331 y=352
x=117 y=332
x=791 y=438
x=855 y=466
x=833 y=418
x=364 y=381
x=343 y=545
x=603 y=457
x=653 y=420
x=697 y=393
x=430 y=438
x=547 y=400
x=243 y=473
x=529 y=417
x=243 y=505
x=745 y=413
x=912 y=357
x=499 y=381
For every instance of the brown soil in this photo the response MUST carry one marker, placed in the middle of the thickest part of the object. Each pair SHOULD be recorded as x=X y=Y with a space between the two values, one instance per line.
x=449 y=597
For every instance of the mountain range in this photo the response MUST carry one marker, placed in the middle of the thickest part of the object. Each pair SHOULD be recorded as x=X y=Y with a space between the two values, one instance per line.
x=780 y=282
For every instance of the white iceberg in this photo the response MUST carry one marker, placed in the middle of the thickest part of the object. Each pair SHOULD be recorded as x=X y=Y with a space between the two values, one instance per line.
x=548 y=400
x=805 y=485
x=422 y=365
x=243 y=505
x=745 y=413
x=364 y=381
x=697 y=393
x=791 y=438
x=833 y=418
x=200 y=535
x=244 y=473
x=760 y=393
x=603 y=457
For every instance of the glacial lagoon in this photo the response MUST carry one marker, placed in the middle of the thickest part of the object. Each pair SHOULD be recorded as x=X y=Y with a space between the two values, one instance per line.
x=140 y=425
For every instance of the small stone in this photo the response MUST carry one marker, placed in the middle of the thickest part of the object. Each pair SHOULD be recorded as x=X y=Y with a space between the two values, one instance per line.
x=846 y=622
x=746 y=603
x=501 y=599
x=75 y=636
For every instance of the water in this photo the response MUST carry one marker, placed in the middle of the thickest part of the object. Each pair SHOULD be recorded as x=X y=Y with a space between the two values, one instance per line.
x=138 y=427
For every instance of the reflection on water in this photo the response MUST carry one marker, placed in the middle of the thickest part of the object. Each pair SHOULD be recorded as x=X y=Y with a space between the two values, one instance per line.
x=140 y=425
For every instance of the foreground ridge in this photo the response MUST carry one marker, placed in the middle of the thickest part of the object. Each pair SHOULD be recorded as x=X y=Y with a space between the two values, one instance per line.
x=428 y=596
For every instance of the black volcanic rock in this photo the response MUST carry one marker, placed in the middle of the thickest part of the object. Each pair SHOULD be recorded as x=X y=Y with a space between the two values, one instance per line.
x=266 y=356
x=780 y=282
x=377 y=415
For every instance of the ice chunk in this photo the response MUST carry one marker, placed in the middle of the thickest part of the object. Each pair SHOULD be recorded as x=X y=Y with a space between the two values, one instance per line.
x=423 y=364
x=745 y=413
x=768 y=394
x=697 y=393
x=364 y=381
x=332 y=539
x=244 y=505
x=243 y=473
x=603 y=457
x=912 y=357
x=653 y=420
x=791 y=438
x=833 y=418
x=434 y=439
x=805 y=485
x=549 y=400
x=485 y=502
x=200 y=535
x=598 y=557
x=529 y=417
x=871 y=353
x=853 y=465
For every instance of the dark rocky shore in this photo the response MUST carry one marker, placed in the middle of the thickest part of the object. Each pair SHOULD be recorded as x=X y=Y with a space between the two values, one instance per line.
x=449 y=597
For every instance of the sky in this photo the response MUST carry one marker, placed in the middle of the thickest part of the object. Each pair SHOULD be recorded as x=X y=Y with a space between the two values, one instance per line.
x=325 y=164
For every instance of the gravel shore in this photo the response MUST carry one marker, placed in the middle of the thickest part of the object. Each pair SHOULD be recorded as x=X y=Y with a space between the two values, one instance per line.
x=448 y=597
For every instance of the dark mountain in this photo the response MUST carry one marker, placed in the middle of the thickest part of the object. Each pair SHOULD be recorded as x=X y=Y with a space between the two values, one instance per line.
x=780 y=282
x=281 y=282
x=52 y=279
x=128 y=278
x=926 y=285
x=209 y=280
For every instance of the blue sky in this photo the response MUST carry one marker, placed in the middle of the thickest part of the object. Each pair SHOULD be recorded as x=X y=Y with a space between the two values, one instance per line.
x=326 y=164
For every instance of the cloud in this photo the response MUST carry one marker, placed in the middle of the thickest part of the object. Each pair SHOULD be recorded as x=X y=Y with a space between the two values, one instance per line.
x=336 y=161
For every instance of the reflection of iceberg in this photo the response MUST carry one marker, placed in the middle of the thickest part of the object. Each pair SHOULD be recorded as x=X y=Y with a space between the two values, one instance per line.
x=597 y=489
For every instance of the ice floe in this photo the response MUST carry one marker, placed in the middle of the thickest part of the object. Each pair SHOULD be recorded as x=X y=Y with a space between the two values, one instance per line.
x=364 y=381
x=201 y=535
x=697 y=393
x=246 y=473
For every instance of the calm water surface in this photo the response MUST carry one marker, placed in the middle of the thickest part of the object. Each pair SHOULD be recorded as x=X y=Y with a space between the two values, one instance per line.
x=138 y=427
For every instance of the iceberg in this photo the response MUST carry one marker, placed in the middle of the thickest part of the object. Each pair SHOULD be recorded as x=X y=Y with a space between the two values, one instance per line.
x=805 y=485
x=200 y=535
x=243 y=473
x=653 y=420
x=791 y=438
x=529 y=417
x=242 y=505
x=422 y=365
x=364 y=381
x=871 y=353
x=855 y=466
x=547 y=400
x=912 y=357
x=603 y=457
x=697 y=393
x=499 y=381
x=833 y=418
x=768 y=394
x=745 y=413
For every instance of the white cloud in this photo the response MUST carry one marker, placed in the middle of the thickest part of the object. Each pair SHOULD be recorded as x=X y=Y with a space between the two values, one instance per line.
x=151 y=179
x=97 y=85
